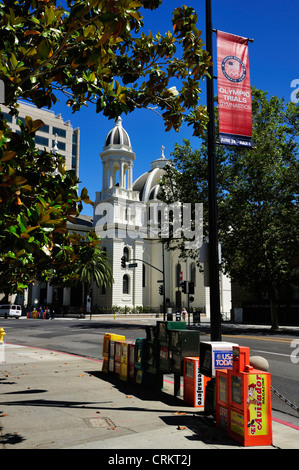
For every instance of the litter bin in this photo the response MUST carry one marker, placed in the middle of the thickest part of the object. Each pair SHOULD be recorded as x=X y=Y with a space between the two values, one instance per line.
x=196 y=317
x=169 y=316
x=178 y=316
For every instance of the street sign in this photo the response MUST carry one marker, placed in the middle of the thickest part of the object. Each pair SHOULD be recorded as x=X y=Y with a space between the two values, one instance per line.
x=133 y=265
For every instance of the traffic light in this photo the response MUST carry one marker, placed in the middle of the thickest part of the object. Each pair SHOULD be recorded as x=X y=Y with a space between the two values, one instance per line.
x=184 y=287
x=191 y=287
x=161 y=290
x=123 y=261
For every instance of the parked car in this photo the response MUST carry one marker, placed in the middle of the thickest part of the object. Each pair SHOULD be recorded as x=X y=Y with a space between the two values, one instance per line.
x=10 y=311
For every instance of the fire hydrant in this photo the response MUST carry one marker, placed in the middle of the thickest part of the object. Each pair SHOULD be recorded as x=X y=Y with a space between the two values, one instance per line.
x=2 y=333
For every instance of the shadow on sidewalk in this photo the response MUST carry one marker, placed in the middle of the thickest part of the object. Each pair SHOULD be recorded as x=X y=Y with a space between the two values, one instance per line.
x=139 y=391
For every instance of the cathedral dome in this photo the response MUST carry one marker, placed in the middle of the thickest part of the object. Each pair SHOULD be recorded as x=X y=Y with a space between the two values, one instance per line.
x=118 y=137
x=148 y=184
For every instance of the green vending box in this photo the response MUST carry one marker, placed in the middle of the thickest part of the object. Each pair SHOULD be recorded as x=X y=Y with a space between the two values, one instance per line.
x=163 y=331
x=151 y=348
x=139 y=359
x=163 y=328
x=182 y=343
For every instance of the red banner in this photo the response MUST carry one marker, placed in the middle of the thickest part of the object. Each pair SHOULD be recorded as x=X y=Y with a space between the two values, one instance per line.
x=234 y=93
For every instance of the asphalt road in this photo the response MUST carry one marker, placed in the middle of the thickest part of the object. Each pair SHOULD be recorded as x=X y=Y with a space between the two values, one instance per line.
x=85 y=337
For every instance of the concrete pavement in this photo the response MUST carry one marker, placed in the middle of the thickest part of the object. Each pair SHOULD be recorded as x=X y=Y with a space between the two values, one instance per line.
x=52 y=400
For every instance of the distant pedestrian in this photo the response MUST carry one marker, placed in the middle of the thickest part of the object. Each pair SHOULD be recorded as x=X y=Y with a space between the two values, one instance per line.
x=184 y=313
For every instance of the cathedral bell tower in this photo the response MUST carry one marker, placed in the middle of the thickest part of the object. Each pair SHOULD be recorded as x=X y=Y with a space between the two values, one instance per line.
x=118 y=217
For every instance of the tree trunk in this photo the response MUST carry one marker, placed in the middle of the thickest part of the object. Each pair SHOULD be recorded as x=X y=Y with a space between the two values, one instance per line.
x=274 y=314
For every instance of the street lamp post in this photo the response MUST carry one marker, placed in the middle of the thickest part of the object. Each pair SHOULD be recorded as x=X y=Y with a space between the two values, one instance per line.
x=213 y=229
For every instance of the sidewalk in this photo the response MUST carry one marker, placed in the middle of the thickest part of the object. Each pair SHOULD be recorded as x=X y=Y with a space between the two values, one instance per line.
x=53 y=400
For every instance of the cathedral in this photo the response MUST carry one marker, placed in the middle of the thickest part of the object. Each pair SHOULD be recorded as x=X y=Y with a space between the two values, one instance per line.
x=132 y=223
x=128 y=218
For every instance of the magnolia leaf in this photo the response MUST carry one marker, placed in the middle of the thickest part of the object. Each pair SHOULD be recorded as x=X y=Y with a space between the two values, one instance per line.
x=8 y=155
x=19 y=180
x=44 y=49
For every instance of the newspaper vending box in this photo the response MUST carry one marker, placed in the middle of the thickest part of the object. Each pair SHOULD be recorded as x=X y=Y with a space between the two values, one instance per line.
x=194 y=383
x=106 y=348
x=249 y=419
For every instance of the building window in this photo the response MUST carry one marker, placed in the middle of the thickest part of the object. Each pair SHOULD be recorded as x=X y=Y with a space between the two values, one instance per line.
x=125 y=284
x=74 y=150
x=44 y=128
x=178 y=271
x=60 y=145
x=41 y=140
x=127 y=254
x=60 y=132
x=7 y=116
x=74 y=163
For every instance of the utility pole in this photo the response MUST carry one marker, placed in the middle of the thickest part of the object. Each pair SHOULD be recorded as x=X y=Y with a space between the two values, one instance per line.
x=213 y=229
x=164 y=286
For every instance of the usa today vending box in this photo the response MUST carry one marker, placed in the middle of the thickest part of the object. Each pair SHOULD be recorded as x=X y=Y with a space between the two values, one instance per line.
x=215 y=355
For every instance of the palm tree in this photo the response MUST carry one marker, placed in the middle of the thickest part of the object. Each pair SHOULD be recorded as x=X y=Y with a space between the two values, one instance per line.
x=94 y=265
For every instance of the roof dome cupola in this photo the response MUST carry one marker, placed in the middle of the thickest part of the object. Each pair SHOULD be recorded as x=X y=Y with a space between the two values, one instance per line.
x=118 y=137
x=117 y=158
x=148 y=184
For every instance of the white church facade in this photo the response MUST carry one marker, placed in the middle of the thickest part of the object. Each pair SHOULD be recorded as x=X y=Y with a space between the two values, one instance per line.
x=127 y=217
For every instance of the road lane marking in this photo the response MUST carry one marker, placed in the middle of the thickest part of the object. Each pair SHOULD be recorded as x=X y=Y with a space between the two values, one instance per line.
x=274 y=353
x=258 y=337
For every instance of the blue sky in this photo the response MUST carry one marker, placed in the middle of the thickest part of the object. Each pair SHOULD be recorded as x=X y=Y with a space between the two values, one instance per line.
x=273 y=60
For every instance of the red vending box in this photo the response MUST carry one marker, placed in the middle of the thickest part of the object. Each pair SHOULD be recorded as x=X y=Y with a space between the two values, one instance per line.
x=194 y=383
x=222 y=413
x=131 y=366
x=249 y=402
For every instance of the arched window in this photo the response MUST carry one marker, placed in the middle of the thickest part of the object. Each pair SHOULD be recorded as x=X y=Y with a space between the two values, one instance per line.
x=127 y=253
x=178 y=270
x=125 y=284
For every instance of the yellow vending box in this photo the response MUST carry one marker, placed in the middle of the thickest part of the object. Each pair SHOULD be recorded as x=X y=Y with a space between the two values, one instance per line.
x=106 y=348
x=124 y=360
x=117 y=357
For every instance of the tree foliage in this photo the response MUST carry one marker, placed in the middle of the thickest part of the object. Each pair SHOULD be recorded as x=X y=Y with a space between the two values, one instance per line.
x=96 y=51
x=93 y=52
x=257 y=194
